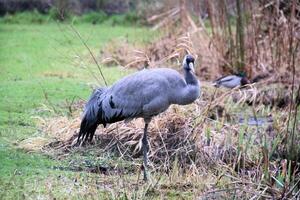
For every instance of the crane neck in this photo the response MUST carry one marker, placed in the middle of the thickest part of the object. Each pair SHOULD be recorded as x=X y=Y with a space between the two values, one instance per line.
x=190 y=77
x=190 y=92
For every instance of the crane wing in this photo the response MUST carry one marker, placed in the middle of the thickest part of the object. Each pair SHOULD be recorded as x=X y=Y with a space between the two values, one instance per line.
x=124 y=100
x=117 y=107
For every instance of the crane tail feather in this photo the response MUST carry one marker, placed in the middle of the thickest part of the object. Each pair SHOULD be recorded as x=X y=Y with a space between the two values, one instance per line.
x=91 y=117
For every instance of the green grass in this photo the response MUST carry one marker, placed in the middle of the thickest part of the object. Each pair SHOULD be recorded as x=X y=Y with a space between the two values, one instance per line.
x=32 y=176
x=99 y=17
x=45 y=66
x=39 y=61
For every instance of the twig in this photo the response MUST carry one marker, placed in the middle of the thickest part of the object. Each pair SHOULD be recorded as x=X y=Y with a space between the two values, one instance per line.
x=291 y=190
x=262 y=192
x=291 y=63
x=92 y=74
x=296 y=106
x=91 y=53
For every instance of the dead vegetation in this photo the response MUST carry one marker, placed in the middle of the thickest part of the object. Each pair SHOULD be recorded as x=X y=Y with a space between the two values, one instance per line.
x=242 y=153
x=270 y=40
x=244 y=141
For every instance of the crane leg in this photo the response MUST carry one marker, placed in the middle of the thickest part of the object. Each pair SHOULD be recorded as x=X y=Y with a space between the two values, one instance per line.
x=145 y=152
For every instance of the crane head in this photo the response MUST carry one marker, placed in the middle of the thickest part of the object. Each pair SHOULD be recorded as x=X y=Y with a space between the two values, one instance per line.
x=188 y=63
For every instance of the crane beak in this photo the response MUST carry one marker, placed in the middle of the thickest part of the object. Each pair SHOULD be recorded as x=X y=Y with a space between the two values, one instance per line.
x=191 y=65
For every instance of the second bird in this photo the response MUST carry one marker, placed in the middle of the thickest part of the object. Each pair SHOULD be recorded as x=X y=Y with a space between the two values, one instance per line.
x=231 y=81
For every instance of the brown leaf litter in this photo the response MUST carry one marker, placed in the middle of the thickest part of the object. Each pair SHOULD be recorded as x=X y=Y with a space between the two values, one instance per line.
x=188 y=134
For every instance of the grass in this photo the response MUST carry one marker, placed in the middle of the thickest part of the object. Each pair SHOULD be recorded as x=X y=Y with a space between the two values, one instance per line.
x=32 y=175
x=99 y=17
x=44 y=66
x=54 y=65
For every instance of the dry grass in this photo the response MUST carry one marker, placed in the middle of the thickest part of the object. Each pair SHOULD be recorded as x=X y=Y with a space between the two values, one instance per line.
x=168 y=49
x=237 y=143
x=271 y=41
x=204 y=141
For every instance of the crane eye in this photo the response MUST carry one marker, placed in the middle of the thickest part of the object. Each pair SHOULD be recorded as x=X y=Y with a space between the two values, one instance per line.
x=189 y=59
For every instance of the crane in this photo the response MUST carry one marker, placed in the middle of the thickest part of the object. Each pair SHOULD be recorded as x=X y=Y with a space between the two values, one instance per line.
x=144 y=94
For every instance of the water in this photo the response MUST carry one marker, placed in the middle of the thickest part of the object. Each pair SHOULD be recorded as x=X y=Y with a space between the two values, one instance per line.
x=259 y=121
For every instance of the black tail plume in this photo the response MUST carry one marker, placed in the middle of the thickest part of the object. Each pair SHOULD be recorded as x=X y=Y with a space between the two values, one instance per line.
x=91 y=117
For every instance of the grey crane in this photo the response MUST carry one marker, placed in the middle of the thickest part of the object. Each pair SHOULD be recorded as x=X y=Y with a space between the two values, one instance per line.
x=145 y=94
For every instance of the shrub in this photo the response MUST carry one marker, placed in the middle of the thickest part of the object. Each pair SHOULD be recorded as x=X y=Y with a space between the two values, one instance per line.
x=36 y=17
x=25 y=17
x=55 y=14
x=93 y=17
x=124 y=19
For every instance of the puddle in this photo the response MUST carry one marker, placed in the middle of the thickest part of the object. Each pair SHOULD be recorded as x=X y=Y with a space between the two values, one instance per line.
x=259 y=121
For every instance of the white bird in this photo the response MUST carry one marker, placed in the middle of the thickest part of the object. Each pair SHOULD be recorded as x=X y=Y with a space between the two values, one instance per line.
x=145 y=94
